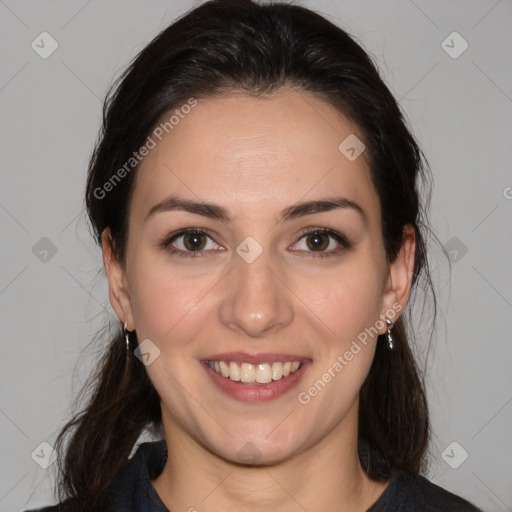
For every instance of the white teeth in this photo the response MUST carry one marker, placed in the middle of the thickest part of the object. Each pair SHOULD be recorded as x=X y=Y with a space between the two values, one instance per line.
x=234 y=371
x=224 y=369
x=263 y=374
x=277 y=371
x=247 y=373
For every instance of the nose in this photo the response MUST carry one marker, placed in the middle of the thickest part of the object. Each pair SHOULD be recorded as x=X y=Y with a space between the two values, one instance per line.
x=256 y=299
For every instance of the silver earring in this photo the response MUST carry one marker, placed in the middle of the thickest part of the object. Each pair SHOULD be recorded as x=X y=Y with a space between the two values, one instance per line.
x=127 y=338
x=390 y=325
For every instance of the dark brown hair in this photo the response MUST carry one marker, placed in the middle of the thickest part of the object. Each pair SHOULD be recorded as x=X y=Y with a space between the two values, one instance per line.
x=222 y=46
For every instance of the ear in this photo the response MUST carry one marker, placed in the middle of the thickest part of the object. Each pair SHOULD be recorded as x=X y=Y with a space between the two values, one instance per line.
x=118 y=291
x=399 y=278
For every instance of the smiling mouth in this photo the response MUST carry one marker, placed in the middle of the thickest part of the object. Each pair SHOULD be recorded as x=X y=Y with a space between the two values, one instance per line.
x=247 y=373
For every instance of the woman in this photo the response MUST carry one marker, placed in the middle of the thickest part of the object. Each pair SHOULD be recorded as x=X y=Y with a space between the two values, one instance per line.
x=255 y=193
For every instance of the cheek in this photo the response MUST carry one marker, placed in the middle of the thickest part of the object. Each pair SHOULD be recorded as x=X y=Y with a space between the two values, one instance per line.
x=347 y=299
x=348 y=304
x=166 y=301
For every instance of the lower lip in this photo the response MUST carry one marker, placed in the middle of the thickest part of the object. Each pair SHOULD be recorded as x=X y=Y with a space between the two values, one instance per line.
x=256 y=392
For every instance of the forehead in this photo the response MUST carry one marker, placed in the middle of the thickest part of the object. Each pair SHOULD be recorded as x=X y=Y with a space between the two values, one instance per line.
x=259 y=152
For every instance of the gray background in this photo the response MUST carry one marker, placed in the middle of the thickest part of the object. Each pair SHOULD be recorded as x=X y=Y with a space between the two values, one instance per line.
x=52 y=304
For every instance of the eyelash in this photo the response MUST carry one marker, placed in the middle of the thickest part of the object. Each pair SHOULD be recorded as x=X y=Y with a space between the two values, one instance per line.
x=338 y=237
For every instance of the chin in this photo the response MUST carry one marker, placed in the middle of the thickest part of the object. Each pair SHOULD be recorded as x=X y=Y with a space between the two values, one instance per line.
x=257 y=449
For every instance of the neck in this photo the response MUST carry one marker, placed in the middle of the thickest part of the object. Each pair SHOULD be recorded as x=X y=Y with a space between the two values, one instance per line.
x=327 y=476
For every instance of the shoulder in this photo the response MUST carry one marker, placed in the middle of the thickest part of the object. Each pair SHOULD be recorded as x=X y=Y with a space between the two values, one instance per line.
x=131 y=486
x=66 y=506
x=409 y=492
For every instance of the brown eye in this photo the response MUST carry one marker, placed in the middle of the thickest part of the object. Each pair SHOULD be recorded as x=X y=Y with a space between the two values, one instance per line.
x=317 y=241
x=190 y=243
x=194 y=241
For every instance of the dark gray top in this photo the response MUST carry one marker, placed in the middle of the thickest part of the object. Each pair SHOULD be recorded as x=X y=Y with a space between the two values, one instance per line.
x=132 y=490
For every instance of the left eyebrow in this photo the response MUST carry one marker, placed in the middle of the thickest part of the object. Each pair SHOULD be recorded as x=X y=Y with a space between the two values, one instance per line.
x=318 y=206
x=218 y=212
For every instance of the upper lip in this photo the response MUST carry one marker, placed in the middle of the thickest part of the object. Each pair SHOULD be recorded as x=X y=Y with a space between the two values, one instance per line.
x=264 y=357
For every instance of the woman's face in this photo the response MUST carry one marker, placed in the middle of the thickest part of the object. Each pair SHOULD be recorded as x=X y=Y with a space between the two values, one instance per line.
x=270 y=280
